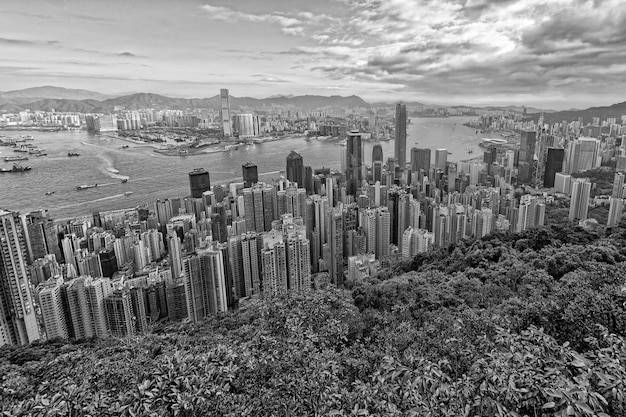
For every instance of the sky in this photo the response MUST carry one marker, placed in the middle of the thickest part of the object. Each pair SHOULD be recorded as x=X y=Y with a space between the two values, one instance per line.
x=551 y=54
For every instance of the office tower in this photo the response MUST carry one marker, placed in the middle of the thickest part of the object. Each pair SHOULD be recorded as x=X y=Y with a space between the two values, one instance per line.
x=250 y=174
x=119 y=314
x=377 y=163
x=616 y=209
x=274 y=262
x=527 y=155
x=50 y=300
x=402 y=214
x=420 y=161
x=582 y=155
x=226 y=123
x=18 y=320
x=618 y=185
x=245 y=125
x=354 y=162
x=400 y=144
x=562 y=183
x=441 y=159
x=554 y=164
x=579 y=204
x=334 y=223
x=205 y=284
x=308 y=180
x=42 y=235
x=199 y=182
x=259 y=212
x=295 y=168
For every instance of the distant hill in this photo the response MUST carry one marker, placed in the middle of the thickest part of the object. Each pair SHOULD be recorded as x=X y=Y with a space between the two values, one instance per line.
x=157 y=101
x=29 y=95
x=604 y=112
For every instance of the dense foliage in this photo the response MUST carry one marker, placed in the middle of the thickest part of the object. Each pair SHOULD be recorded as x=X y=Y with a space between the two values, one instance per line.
x=509 y=325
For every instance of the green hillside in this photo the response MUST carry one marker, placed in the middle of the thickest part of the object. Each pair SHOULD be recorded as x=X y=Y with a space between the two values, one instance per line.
x=509 y=325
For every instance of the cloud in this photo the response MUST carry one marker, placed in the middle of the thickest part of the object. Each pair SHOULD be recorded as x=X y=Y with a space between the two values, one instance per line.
x=294 y=24
x=269 y=78
x=27 y=42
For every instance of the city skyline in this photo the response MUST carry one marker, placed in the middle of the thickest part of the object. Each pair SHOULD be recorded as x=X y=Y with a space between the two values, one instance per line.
x=557 y=56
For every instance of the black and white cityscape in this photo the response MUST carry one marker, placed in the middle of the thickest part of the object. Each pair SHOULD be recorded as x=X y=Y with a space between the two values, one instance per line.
x=347 y=207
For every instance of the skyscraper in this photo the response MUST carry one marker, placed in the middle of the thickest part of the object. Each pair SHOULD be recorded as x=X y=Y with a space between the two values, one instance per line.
x=618 y=185
x=18 y=320
x=616 y=209
x=199 y=182
x=250 y=174
x=226 y=122
x=400 y=145
x=420 y=160
x=554 y=164
x=354 y=162
x=377 y=162
x=579 y=205
x=441 y=159
x=295 y=168
x=582 y=155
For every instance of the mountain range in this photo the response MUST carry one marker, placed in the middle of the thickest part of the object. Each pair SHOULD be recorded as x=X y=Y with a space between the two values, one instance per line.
x=73 y=100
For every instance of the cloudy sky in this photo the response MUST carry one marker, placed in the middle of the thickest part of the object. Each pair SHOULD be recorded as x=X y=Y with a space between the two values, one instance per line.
x=547 y=53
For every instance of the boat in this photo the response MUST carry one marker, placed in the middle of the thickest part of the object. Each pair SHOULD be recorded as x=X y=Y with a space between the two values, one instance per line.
x=84 y=187
x=41 y=154
x=124 y=180
x=15 y=158
x=470 y=151
x=73 y=153
x=127 y=193
x=124 y=146
x=49 y=192
x=35 y=151
x=113 y=170
x=16 y=168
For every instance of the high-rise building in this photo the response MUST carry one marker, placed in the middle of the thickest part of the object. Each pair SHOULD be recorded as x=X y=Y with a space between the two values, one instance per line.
x=583 y=155
x=377 y=163
x=205 y=284
x=618 y=185
x=42 y=235
x=119 y=314
x=18 y=319
x=554 y=164
x=616 y=209
x=295 y=168
x=441 y=159
x=51 y=303
x=354 y=162
x=562 y=183
x=579 y=204
x=400 y=144
x=245 y=125
x=227 y=129
x=250 y=174
x=376 y=223
x=420 y=161
x=199 y=182
x=274 y=261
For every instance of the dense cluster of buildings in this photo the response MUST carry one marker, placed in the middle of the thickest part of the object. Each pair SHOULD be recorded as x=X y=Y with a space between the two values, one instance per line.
x=118 y=273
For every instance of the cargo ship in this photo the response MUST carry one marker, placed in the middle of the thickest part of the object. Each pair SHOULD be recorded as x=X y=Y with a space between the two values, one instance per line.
x=16 y=168
x=15 y=158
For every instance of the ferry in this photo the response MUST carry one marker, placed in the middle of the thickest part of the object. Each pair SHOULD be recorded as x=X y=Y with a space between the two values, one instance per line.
x=84 y=187
x=15 y=158
x=73 y=153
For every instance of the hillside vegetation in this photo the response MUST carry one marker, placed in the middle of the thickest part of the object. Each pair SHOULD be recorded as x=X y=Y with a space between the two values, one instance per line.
x=510 y=325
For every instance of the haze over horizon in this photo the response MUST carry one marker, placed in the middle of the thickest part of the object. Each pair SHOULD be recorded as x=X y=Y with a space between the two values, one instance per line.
x=560 y=55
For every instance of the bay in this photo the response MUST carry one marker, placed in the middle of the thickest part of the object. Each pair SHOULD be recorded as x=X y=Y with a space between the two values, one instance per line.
x=153 y=176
